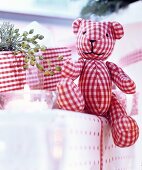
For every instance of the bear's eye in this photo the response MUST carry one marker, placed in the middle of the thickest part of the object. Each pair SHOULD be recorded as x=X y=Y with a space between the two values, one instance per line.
x=107 y=34
x=84 y=32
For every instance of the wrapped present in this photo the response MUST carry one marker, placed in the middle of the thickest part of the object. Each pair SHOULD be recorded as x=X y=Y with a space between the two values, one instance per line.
x=14 y=77
x=12 y=74
x=114 y=157
x=57 y=139
x=52 y=57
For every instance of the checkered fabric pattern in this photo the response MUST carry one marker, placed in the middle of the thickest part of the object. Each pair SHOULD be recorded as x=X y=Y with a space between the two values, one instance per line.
x=125 y=130
x=95 y=42
x=118 y=30
x=12 y=74
x=121 y=79
x=37 y=80
x=95 y=84
x=104 y=33
x=70 y=97
x=72 y=70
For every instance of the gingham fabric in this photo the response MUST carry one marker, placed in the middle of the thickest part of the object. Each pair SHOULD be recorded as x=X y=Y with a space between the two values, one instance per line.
x=72 y=70
x=12 y=74
x=88 y=33
x=14 y=77
x=125 y=130
x=121 y=79
x=37 y=80
x=95 y=85
x=95 y=42
x=70 y=97
x=132 y=61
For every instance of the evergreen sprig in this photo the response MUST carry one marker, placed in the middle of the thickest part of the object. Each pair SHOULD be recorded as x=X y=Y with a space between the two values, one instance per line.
x=103 y=7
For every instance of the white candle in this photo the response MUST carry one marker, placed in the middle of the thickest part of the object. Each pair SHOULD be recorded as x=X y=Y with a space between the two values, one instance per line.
x=25 y=104
x=27 y=95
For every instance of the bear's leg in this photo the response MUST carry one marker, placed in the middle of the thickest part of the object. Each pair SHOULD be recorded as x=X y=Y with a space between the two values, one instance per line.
x=125 y=130
x=69 y=96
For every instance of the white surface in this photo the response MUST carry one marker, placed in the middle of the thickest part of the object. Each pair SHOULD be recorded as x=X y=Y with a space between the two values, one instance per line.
x=61 y=140
x=55 y=8
x=41 y=29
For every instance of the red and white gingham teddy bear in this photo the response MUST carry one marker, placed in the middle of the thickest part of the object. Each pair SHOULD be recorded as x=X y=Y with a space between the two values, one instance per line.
x=93 y=94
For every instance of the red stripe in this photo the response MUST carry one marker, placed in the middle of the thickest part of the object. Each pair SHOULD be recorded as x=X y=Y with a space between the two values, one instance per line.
x=11 y=67
x=12 y=80
x=101 y=144
x=7 y=89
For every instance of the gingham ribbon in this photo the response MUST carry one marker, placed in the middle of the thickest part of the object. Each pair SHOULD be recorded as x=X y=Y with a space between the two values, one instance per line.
x=121 y=79
x=101 y=143
x=132 y=58
x=125 y=130
x=37 y=79
x=12 y=74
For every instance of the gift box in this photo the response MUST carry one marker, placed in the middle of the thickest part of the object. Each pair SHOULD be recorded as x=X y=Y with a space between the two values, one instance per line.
x=14 y=77
x=65 y=140
x=12 y=74
x=52 y=57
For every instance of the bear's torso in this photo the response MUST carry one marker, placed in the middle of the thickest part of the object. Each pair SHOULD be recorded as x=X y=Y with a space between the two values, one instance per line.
x=96 y=86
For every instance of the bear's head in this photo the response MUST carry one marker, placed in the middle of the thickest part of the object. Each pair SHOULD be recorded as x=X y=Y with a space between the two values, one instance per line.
x=96 y=40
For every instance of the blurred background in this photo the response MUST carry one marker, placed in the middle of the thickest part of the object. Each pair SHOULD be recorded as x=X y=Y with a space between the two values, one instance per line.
x=57 y=16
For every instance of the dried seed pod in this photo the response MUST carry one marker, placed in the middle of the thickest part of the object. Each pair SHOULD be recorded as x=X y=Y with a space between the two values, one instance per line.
x=40 y=67
x=47 y=73
x=25 y=43
x=25 y=66
x=31 y=31
x=32 y=62
x=26 y=60
x=52 y=73
x=58 y=68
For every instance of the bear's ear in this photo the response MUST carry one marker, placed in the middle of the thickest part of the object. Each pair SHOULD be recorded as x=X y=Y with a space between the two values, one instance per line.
x=118 y=30
x=76 y=25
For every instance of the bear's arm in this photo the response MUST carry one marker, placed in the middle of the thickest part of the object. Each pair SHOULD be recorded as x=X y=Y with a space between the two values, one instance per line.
x=121 y=79
x=72 y=69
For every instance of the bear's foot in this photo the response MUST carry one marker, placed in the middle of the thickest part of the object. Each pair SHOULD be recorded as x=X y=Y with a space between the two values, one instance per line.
x=69 y=96
x=125 y=131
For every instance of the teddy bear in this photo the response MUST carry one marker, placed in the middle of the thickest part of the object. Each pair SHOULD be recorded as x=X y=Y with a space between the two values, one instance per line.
x=93 y=93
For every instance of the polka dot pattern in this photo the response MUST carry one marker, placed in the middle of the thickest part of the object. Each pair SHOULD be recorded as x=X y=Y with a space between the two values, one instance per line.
x=63 y=140
x=83 y=141
x=115 y=158
x=89 y=145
